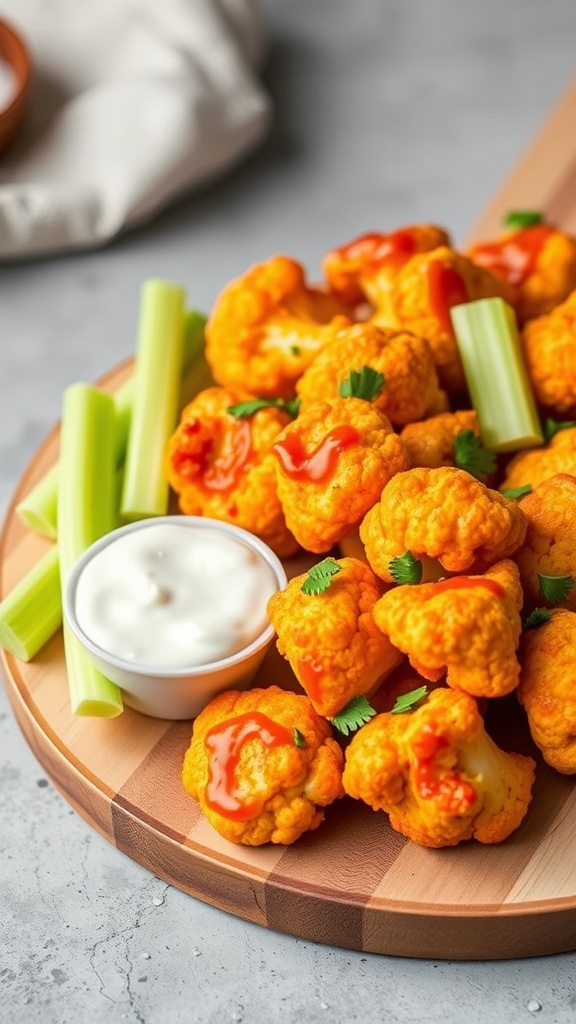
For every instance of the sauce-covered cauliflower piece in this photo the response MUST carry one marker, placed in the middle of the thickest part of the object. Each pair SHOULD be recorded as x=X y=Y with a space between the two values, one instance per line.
x=537 y=262
x=438 y=775
x=466 y=628
x=332 y=463
x=431 y=442
x=334 y=647
x=221 y=466
x=410 y=390
x=535 y=465
x=444 y=514
x=262 y=765
x=549 y=346
x=550 y=544
x=547 y=690
x=266 y=327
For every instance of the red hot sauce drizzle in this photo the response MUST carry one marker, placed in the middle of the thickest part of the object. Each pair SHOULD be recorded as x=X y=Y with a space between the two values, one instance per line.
x=366 y=255
x=223 y=744
x=515 y=257
x=469 y=582
x=451 y=794
x=214 y=455
x=446 y=288
x=310 y=674
x=320 y=465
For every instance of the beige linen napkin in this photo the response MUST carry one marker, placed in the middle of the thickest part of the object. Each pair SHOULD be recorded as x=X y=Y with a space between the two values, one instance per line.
x=134 y=102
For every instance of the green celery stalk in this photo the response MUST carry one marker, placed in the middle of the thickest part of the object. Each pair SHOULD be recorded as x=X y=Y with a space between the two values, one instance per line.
x=38 y=510
x=496 y=375
x=32 y=612
x=157 y=380
x=86 y=511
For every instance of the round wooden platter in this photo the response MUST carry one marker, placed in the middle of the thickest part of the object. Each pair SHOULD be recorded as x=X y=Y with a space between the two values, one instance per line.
x=353 y=882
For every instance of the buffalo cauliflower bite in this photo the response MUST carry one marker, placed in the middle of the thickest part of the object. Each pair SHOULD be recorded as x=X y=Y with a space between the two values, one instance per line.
x=438 y=775
x=334 y=647
x=535 y=465
x=431 y=442
x=444 y=514
x=547 y=691
x=550 y=544
x=410 y=390
x=466 y=628
x=266 y=327
x=549 y=346
x=262 y=764
x=423 y=292
x=331 y=464
x=222 y=466
x=538 y=262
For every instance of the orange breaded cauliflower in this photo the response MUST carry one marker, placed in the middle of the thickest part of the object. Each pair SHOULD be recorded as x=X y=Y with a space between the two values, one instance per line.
x=538 y=262
x=221 y=466
x=445 y=514
x=410 y=390
x=431 y=442
x=364 y=269
x=547 y=688
x=332 y=463
x=262 y=764
x=438 y=775
x=550 y=544
x=464 y=627
x=330 y=639
x=423 y=292
x=267 y=326
x=549 y=346
x=535 y=465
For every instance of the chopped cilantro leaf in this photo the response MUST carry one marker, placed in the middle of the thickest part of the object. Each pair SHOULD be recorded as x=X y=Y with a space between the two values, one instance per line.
x=471 y=455
x=299 y=739
x=357 y=712
x=295 y=350
x=519 y=219
x=537 y=618
x=516 y=492
x=365 y=383
x=405 y=568
x=551 y=427
x=244 y=409
x=555 y=588
x=319 y=577
x=406 y=701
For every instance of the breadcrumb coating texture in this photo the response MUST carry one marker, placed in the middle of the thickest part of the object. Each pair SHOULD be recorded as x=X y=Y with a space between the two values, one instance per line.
x=431 y=442
x=550 y=544
x=549 y=346
x=535 y=465
x=547 y=690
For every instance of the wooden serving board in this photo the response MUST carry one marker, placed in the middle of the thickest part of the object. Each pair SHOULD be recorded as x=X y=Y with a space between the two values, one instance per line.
x=354 y=882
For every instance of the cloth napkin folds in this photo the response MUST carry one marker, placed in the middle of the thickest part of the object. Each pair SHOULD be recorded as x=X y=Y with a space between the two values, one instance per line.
x=134 y=102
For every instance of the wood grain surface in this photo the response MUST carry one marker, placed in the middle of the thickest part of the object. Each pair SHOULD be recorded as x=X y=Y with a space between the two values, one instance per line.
x=354 y=882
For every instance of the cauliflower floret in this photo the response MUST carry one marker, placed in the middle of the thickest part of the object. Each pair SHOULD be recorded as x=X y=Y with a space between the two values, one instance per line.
x=445 y=514
x=410 y=390
x=550 y=544
x=267 y=326
x=431 y=442
x=549 y=345
x=438 y=775
x=332 y=463
x=537 y=262
x=464 y=627
x=423 y=292
x=261 y=764
x=535 y=465
x=330 y=639
x=547 y=691
x=221 y=466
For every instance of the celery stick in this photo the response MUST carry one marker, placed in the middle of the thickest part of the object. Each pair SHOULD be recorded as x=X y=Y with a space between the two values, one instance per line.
x=32 y=612
x=38 y=509
x=496 y=375
x=86 y=502
x=157 y=377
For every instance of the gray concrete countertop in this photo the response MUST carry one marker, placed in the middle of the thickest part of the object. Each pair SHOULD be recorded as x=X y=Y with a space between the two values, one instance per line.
x=386 y=112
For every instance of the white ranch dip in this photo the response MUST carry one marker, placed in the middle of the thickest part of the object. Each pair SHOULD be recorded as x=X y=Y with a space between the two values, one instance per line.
x=170 y=597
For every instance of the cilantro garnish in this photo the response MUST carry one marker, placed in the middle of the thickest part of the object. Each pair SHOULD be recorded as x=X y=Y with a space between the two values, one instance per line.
x=551 y=427
x=555 y=588
x=518 y=219
x=516 y=492
x=365 y=383
x=537 y=618
x=405 y=568
x=243 y=409
x=407 y=701
x=319 y=577
x=295 y=350
x=471 y=455
x=299 y=739
x=357 y=712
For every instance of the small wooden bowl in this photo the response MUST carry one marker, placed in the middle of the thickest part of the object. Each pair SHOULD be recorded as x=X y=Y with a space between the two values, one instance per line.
x=14 y=52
